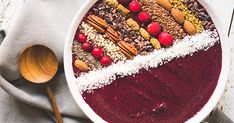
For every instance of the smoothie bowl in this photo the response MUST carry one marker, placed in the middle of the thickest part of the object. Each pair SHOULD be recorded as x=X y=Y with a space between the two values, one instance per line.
x=146 y=61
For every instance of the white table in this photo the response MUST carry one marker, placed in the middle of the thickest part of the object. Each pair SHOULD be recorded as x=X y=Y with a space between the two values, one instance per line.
x=224 y=8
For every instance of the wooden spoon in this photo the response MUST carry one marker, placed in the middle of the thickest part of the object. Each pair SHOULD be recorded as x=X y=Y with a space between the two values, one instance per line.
x=38 y=64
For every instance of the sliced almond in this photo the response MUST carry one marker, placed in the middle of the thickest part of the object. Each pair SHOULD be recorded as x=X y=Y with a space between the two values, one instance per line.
x=165 y=4
x=82 y=66
x=178 y=15
x=189 y=28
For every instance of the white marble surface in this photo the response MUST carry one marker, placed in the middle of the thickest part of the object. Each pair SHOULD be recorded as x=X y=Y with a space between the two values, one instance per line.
x=8 y=11
x=224 y=8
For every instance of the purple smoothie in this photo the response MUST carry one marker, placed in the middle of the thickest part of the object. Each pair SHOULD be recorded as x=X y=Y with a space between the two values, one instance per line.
x=173 y=92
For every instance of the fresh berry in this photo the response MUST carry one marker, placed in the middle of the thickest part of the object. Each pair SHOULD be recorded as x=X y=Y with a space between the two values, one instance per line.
x=135 y=6
x=154 y=28
x=80 y=37
x=165 y=39
x=105 y=60
x=124 y=2
x=144 y=17
x=87 y=46
x=97 y=52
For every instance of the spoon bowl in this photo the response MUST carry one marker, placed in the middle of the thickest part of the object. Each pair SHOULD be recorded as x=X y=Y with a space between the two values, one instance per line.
x=38 y=64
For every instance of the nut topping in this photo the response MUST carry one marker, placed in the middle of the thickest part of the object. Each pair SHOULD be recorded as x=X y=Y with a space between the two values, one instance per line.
x=165 y=4
x=112 y=35
x=189 y=28
x=98 y=23
x=98 y=28
x=128 y=55
x=178 y=15
x=128 y=49
x=82 y=66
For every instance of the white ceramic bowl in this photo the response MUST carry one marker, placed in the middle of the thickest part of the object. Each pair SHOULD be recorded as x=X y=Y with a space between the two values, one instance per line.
x=202 y=114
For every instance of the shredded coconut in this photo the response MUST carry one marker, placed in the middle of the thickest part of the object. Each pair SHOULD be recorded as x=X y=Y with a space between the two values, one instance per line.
x=187 y=46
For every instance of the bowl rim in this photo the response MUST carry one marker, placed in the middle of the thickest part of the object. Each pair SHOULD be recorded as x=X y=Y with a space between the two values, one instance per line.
x=198 y=117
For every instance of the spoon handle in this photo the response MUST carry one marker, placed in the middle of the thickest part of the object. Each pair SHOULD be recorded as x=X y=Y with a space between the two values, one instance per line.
x=54 y=104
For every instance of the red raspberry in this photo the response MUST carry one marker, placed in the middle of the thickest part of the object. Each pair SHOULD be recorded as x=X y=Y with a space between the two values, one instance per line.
x=135 y=6
x=97 y=52
x=165 y=39
x=105 y=60
x=124 y=2
x=144 y=17
x=154 y=28
x=80 y=37
x=87 y=46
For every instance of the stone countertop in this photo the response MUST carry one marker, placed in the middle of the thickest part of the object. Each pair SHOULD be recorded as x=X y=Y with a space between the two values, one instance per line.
x=224 y=9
